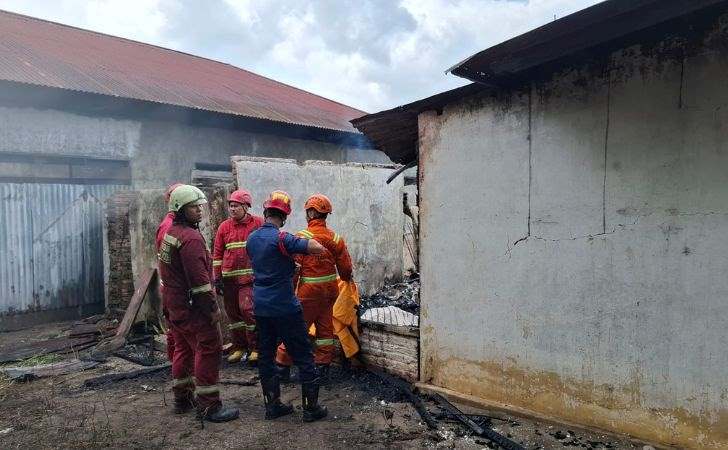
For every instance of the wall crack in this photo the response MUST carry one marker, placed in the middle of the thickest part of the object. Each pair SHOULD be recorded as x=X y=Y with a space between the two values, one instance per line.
x=530 y=171
x=606 y=146
x=619 y=228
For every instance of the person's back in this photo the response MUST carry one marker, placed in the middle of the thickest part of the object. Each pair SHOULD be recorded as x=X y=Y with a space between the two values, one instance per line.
x=317 y=285
x=277 y=310
x=319 y=272
x=273 y=267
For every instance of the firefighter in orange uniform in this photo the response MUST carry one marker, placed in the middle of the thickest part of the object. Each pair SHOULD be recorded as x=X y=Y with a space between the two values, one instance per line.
x=317 y=283
x=234 y=274
x=189 y=306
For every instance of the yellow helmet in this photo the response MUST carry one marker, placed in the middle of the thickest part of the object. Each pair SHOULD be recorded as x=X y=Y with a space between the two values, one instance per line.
x=186 y=194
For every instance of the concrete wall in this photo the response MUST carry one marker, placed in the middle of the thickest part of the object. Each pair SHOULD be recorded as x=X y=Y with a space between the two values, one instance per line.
x=160 y=152
x=574 y=245
x=367 y=211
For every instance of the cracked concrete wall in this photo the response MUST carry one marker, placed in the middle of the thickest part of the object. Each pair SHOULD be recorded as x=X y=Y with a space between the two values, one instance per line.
x=589 y=283
x=367 y=211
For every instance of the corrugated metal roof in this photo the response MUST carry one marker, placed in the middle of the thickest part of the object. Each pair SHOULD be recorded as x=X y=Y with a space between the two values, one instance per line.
x=588 y=33
x=39 y=52
x=609 y=22
x=395 y=131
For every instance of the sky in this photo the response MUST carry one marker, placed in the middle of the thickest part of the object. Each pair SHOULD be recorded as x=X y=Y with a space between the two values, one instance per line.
x=369 y=54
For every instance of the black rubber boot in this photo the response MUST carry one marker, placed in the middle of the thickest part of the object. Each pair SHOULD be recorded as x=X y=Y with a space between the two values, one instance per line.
x=220 y=414
x=323 y=373
x=272 y=398
x=312 y=411
x=184 y=404
x=284 y=373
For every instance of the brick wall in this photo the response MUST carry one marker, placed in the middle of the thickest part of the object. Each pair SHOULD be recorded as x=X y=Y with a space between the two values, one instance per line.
x=120 y=277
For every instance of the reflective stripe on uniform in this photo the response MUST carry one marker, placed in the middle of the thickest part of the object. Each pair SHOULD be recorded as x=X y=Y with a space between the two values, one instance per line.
x=323 y=342
x=323 y=279
x=235 y=273
x=216 y=262
x=337 y=238
x=171 y=240
x=207 y=390
x=236 y=325
x=238 y=244
x=177 y=382
x=200 y=289
x=305 y=233
x=241 y=325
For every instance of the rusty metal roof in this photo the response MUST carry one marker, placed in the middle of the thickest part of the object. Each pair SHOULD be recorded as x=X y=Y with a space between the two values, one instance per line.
x=40 y=52
x=607 y=24
x=395 y=131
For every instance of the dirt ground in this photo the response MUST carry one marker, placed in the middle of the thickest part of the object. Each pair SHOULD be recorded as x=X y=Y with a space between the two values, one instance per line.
x=364 y=412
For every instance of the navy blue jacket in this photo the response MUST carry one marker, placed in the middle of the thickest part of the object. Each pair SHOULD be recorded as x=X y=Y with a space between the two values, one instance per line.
x=273 y=294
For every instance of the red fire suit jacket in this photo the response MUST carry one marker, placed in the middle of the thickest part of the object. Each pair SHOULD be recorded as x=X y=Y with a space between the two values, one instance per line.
x=185 y=267
x=230 y=259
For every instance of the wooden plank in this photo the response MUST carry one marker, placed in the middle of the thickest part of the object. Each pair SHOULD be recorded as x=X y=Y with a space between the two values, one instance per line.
x=119 y=340
x=44 y=347
x=135 y=303
x=81 y=329
x=47 y=370
x=114 y=377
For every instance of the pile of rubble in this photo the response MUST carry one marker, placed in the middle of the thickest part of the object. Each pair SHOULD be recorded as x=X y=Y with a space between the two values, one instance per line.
x=405 y=296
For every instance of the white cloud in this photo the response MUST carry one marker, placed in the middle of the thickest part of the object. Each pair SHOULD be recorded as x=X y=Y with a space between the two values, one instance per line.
x=371 y=54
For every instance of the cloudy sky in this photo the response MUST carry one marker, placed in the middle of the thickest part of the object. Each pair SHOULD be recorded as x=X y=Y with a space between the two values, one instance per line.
x=370 y=54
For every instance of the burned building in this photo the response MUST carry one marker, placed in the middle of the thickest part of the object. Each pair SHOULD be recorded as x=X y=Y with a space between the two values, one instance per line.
x=83 y=115
x=573 y=222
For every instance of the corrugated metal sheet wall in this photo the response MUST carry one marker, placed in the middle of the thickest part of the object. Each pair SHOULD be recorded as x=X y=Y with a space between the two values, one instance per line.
x=51 y=245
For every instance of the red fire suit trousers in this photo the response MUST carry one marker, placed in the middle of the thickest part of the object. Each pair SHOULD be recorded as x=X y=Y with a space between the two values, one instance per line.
x=238 y=301
x=196 y=360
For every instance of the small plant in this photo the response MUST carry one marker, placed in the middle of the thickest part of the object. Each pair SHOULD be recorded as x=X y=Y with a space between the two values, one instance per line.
x=36 y=360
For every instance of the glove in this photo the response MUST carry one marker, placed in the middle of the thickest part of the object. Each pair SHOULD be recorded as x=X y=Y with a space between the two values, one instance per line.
x=218 y=286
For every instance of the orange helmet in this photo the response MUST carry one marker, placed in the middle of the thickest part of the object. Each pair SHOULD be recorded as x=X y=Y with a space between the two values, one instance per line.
x=279 y=200
x=169 y=190
x=241 y=196
x=320 y=203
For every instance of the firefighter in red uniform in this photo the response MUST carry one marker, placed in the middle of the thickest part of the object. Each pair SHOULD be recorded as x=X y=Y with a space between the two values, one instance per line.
x=234 y=274
x=189 y=306
x=317 y=285
x=164 y=226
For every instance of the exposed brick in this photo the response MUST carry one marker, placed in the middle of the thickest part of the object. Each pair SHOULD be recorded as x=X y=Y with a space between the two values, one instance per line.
x=121 y=279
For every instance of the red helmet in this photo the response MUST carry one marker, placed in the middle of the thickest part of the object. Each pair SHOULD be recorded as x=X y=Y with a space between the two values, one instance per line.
x=319 y=202
x=169 y=190
x=241 y=196
x=279 y=200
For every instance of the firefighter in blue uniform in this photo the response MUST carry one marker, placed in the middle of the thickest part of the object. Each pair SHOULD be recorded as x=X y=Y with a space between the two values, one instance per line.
x=278 y=312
